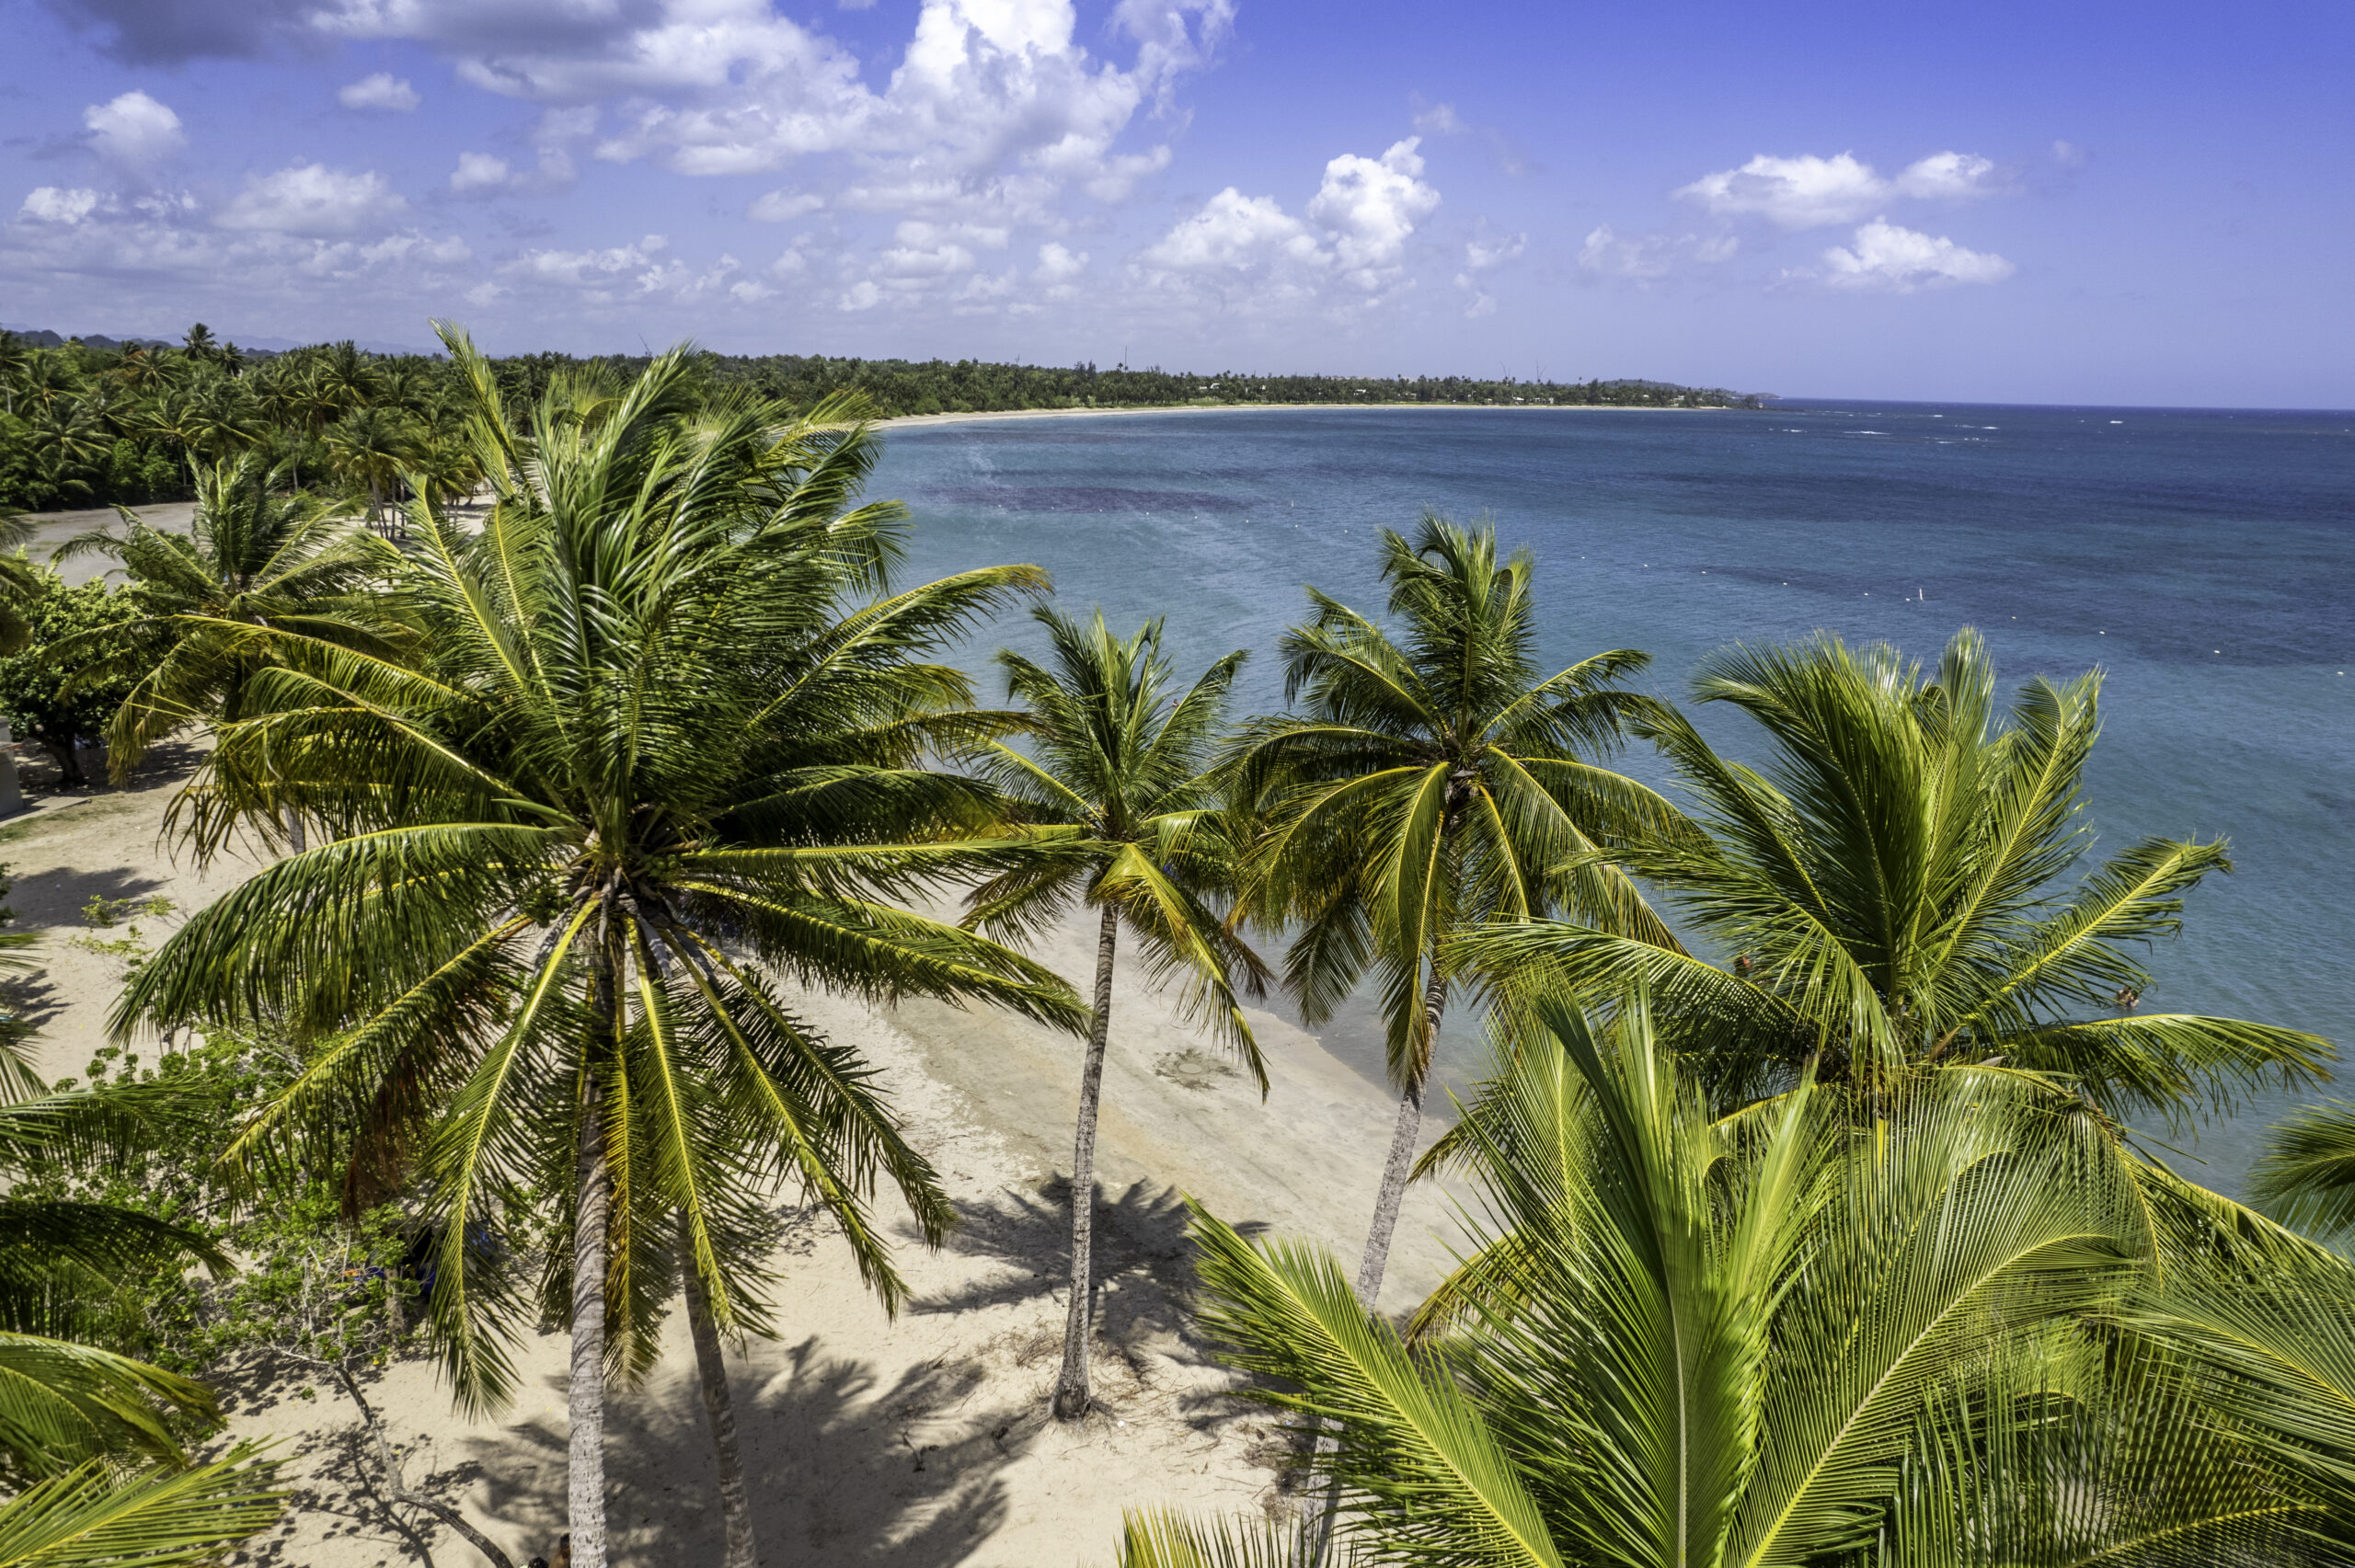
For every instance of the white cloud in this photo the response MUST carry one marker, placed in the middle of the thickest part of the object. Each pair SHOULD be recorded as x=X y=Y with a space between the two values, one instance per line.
x=479 y=172
x=1884 y=256
x=638 y=262
x=133 y=128
x=311 y=199
x=997 y=99
x=1059 y=263
x=860 y=296
x=1807 y=191
x=486 y=174
x=1793 y=193
x=1486 y=251
x=1372 y=205
x=382 y=91
x=783 y=206
x=1439 y=119
x=1649 y=257
x=49 y=204
x=1234 y=233
x=1246 y=253
x=1947 y=176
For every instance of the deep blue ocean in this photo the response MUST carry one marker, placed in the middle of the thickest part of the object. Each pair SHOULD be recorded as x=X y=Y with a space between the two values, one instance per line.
x=2204 y=559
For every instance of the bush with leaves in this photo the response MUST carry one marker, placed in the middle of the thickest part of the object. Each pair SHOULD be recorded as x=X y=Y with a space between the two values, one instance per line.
x=316 y=1290
x=43 y=696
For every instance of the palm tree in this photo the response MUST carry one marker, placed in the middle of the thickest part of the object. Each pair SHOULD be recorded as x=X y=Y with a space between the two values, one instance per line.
x=1434 y=782
x=1890 y=890
x=1793 y=1336
x=1115 y=793
x=374 y=447
x=251 y=557
x=656 y=746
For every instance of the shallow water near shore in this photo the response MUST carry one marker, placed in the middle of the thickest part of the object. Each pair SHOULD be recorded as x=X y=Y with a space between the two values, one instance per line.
x=2206 y=560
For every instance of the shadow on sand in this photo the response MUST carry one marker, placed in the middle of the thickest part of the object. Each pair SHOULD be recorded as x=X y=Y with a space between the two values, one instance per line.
x=844 y=1469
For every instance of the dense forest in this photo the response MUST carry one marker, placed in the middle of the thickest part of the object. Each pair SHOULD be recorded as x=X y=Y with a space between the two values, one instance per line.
x=92 y=421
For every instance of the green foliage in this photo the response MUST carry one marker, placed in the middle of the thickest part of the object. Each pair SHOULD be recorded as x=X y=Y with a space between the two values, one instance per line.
x=251 y=557
x=102 y=1516
x=62 y=689
x=1901 y=884
x=1802 y=1334
x=1435 y=780
x=312 y=1288
x=1114 y=795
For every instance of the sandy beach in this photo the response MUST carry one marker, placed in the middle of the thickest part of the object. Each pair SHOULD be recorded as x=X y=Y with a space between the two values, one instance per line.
x=923 y=1442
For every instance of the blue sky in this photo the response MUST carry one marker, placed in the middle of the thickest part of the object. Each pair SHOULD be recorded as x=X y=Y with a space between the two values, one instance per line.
x=2146 y=203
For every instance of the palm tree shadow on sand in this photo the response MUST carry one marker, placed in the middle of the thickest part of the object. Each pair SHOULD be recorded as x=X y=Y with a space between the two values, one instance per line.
x=844 y=1468
x=1143 y=1269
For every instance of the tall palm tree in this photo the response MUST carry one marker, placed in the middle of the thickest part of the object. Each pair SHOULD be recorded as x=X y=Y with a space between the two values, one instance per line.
x=1114 y=791
x=1793 y=1336
x=1889 y=890
x=1434 y=782
x=658 y=746
x=251 y=557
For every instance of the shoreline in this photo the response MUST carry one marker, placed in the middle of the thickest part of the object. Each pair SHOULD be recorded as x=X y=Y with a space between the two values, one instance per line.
x=968 y=419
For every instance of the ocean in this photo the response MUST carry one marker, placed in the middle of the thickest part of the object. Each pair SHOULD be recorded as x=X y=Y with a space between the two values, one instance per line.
x=2204 y=559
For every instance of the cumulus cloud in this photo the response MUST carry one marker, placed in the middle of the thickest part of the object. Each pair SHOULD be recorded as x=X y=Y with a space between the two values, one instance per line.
x=1883 y=256
x=1807 y=191
x=54 y=204
x=1234 y=233
x=479 y=172
x=311 y=199
x=133 y=128
x=994 y=98
x=1246 y=252
x=1371 y=205
x=1059 y=263
x=382 y=91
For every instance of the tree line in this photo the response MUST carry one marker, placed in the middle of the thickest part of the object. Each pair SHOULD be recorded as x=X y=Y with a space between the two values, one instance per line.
x=1812 y=1223
x=98 y=422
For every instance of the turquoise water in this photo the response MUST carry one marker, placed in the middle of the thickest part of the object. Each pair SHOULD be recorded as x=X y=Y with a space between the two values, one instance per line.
x=2206 y=560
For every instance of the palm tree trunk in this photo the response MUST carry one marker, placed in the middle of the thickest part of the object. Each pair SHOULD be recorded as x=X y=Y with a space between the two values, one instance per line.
x=1071 y=1385
x=1401 y=1163
x=711 y=1367
x=585 y=1396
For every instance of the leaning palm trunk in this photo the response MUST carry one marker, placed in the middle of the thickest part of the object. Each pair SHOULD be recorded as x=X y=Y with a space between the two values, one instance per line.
x=1071 y=1385
x=1400 y=1166
x=585 y=1398
x=719 y=1406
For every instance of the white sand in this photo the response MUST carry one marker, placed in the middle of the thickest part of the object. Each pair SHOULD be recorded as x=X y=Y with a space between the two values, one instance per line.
x=923 y=1442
